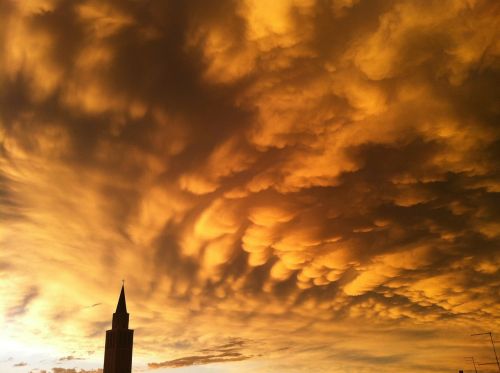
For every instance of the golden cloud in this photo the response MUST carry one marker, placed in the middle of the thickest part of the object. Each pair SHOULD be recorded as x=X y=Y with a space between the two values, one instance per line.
x=305 y=175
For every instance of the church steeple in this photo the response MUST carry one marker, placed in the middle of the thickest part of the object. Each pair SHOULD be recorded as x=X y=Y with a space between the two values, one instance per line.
x=120 y=317
x=122 y=304
x=119 y=340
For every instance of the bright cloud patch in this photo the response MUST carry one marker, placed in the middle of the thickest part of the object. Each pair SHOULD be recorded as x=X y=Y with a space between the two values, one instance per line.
x=319 y=178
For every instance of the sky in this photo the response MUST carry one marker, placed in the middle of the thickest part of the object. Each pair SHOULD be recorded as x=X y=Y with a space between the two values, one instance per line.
x=285 y=186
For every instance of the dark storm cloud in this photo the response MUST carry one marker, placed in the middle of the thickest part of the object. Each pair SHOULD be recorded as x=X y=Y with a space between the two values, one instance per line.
x=324 y=160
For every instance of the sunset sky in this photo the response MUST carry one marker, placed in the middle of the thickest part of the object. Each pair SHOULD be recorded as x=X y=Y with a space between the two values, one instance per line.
x=299 y=186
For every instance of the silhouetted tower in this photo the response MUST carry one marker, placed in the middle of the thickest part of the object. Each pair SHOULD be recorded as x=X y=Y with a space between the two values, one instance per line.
x=119 y=341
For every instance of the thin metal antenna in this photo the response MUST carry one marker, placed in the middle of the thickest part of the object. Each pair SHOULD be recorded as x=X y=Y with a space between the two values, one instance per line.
x=471 y=359
x=492 y=345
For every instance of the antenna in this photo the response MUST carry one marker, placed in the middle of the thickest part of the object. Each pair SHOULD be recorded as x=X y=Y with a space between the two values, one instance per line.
x=492 y=345
x=471 y=359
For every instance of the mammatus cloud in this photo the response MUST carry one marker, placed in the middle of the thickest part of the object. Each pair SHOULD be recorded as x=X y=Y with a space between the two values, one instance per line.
x=322 y=176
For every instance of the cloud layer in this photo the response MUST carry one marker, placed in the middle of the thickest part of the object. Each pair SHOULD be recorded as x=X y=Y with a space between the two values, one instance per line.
x=229 y=352
x=316 y=176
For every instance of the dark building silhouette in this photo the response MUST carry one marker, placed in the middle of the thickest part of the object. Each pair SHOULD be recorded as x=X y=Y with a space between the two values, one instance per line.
x=119 y=341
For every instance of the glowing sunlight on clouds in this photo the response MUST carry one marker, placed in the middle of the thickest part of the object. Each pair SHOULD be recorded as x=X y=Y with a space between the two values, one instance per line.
x=286 y=186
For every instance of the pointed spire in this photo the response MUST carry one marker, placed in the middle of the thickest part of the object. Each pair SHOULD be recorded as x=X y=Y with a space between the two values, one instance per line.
x=122 y=304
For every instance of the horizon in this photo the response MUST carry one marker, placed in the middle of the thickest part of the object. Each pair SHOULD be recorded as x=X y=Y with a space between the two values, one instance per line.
x=285 y=186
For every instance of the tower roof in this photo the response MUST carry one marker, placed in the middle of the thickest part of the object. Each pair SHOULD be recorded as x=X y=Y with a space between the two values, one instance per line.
x=122 y=304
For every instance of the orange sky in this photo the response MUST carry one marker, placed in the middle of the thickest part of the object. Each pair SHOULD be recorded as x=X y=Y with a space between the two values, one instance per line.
x=286 y=186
